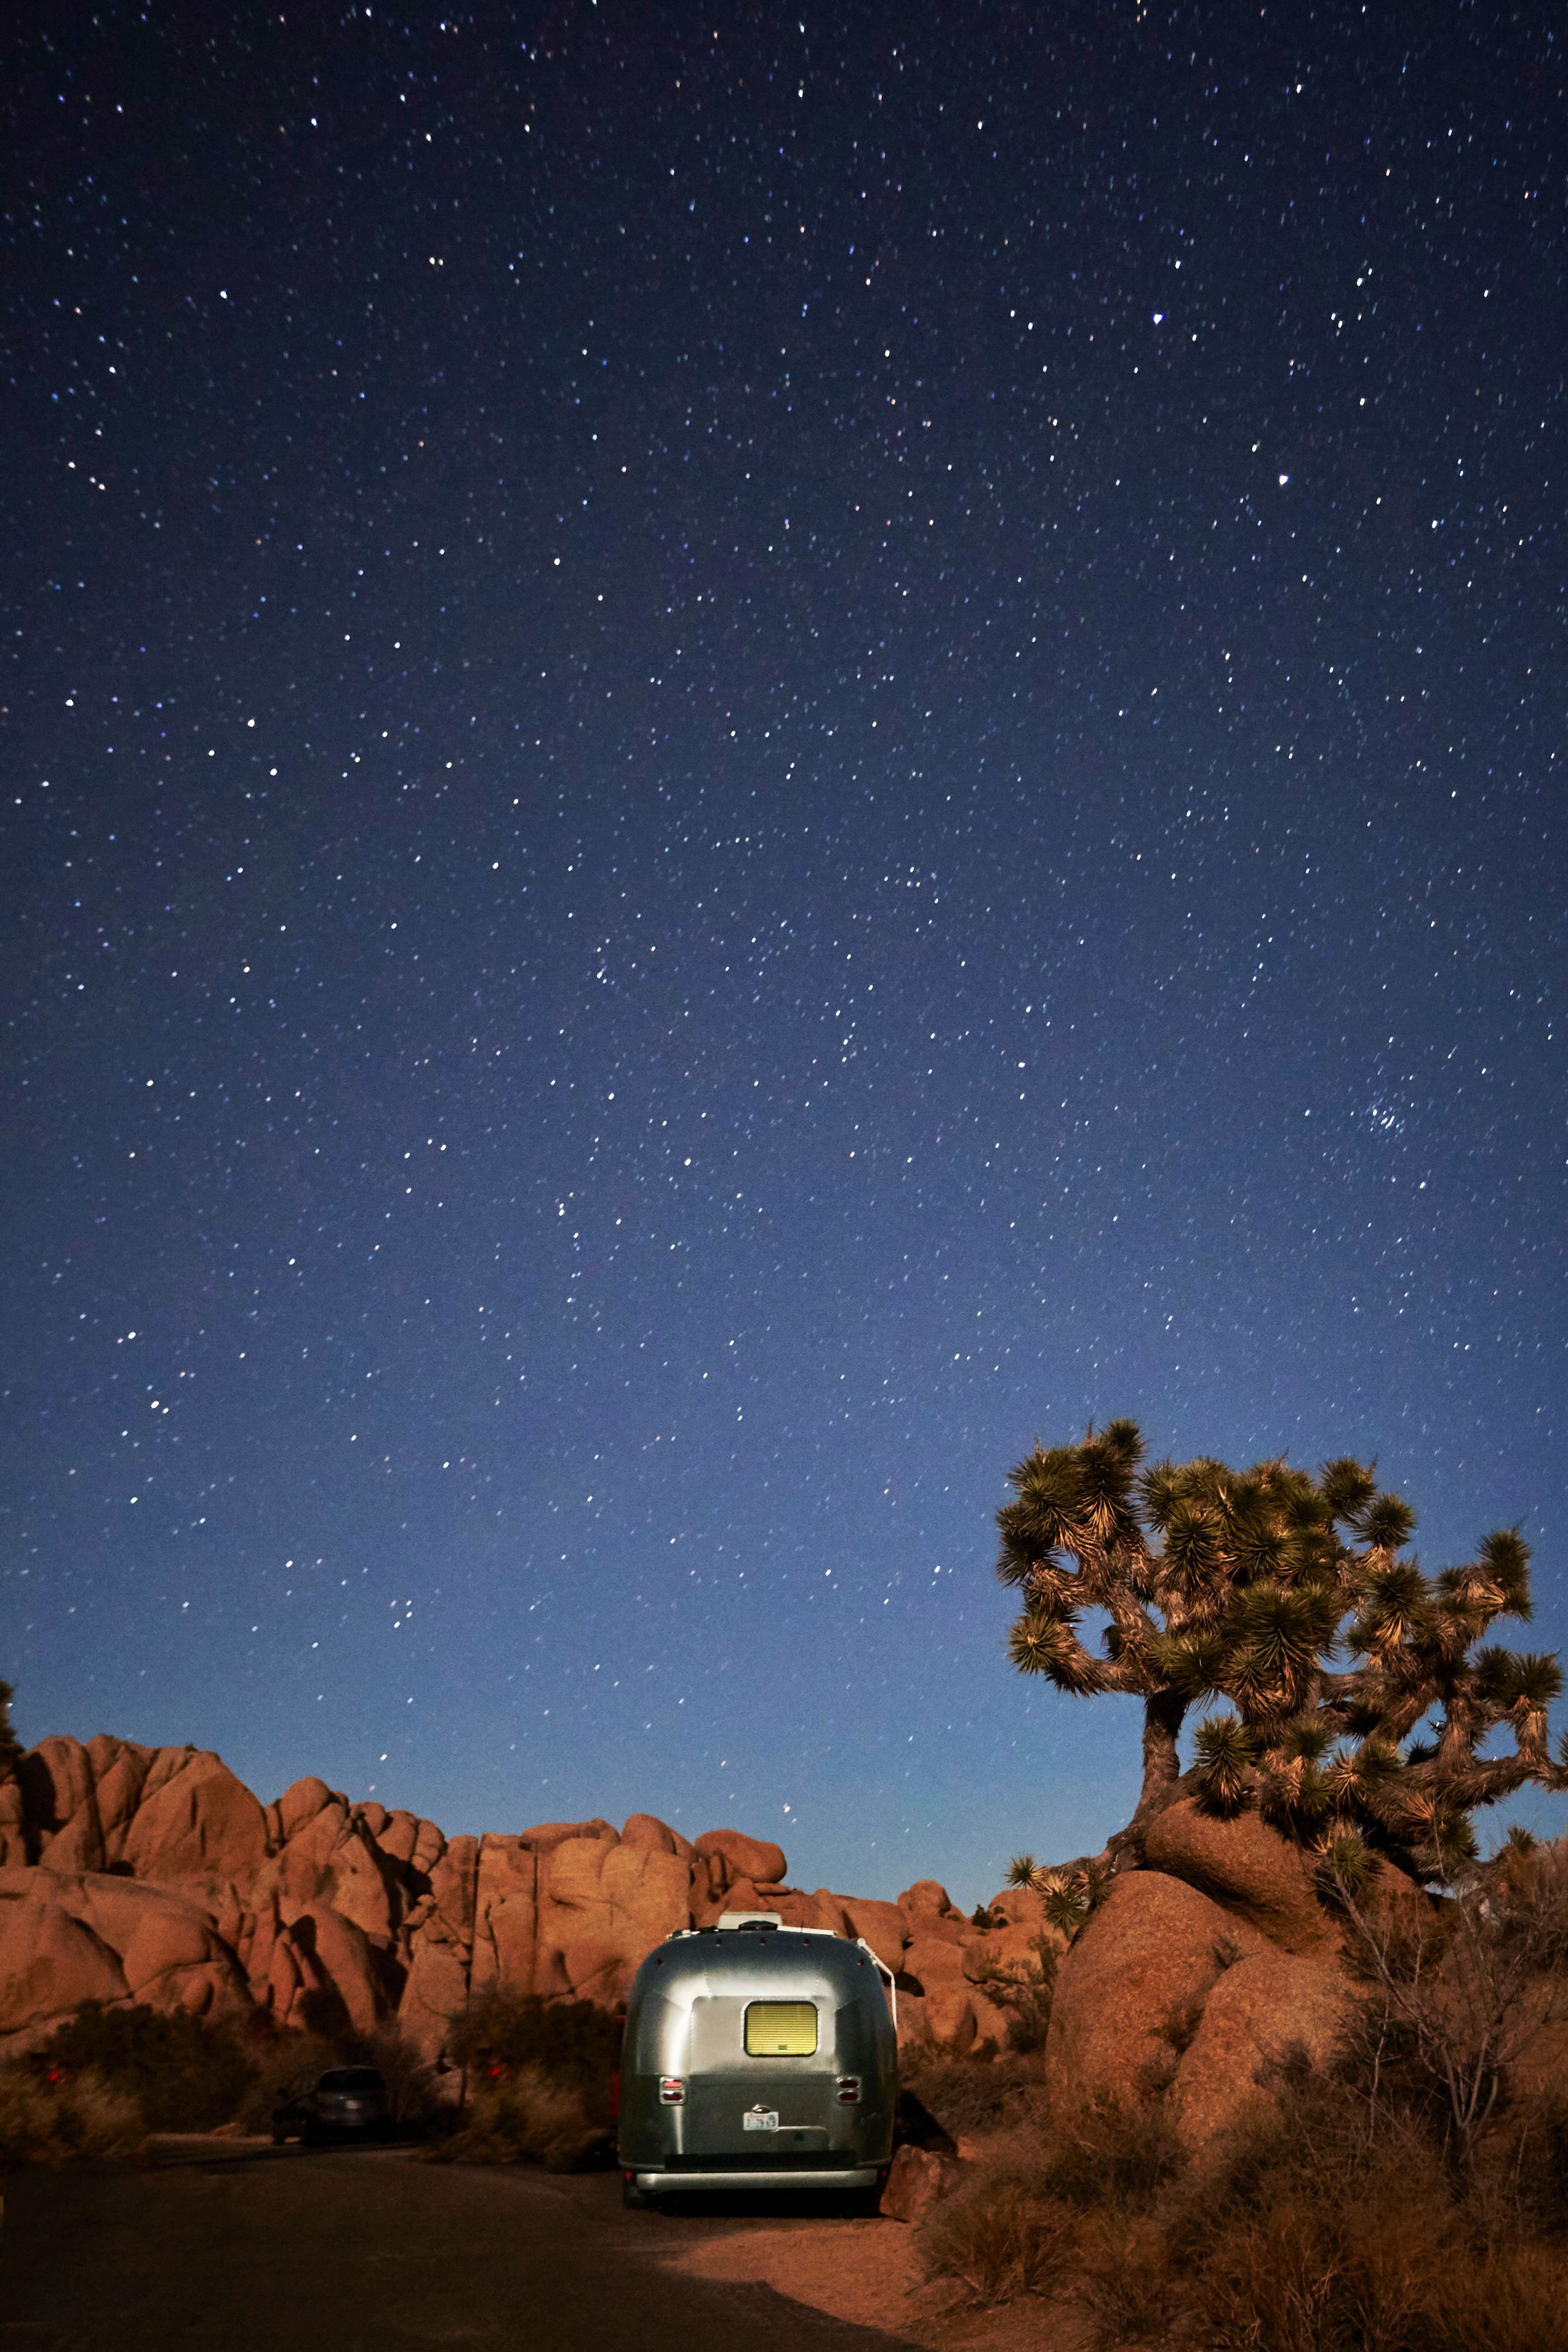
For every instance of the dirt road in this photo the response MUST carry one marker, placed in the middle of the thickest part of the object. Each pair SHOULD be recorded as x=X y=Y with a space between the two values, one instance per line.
x=237 y=2247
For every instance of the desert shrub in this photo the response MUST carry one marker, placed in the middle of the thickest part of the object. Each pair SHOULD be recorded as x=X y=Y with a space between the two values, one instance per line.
x=286 y=2063
x=1408 y=2197
x=1461 y=1999
x=1105 y=2154
x=540 y=2071
x=527 y=2117
x=571 y=2041
x=1395 y=2273
x=1304 y=2270
x=1066 y=2204
x=183 y=2072
x=1330 y=2239
x=1271 y=2282
x=1512 y=2301
x=1347 y=2222
x=1528 y=2171
x=46 y=2120
x=998 y=2236
x=970 y=2096
x=1126 y=2285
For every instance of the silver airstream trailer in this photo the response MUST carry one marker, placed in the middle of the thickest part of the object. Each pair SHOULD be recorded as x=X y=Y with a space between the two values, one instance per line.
x=757 y=2057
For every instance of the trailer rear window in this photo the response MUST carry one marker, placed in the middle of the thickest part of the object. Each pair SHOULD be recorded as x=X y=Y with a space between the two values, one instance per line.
x=780 y=2029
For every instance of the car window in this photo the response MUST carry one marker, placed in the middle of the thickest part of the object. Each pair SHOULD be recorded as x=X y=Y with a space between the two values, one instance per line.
x=352 y=2078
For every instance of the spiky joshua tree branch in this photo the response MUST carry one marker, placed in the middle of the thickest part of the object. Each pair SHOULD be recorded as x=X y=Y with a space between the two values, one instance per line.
x=1252 y=1586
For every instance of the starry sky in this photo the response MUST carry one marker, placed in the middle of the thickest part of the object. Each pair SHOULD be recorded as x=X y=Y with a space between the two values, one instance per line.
x=746 y=756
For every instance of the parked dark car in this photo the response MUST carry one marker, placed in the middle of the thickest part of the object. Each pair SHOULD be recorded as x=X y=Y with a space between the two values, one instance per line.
x=345 y=2103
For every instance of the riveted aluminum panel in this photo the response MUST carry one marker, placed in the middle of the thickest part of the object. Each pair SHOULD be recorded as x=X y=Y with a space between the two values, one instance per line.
x=687 y=2018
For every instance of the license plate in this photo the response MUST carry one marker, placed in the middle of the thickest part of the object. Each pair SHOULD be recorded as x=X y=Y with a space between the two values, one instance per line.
x=760 y=2119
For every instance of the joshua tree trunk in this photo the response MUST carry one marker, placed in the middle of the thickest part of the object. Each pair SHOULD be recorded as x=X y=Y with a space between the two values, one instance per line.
x=1163 y=1714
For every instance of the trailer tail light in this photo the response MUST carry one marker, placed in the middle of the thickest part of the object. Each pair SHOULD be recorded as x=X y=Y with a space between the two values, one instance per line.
x=671 y=2091
x=848 y=2090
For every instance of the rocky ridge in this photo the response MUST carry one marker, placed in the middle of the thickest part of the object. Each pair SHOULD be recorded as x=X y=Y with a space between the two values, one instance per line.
x=154 y=1874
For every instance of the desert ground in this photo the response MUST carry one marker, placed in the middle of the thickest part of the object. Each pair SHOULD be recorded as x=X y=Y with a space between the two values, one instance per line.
x=225 y=2245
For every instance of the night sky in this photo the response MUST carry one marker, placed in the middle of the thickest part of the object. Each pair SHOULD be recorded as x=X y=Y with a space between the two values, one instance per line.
x=745 y=757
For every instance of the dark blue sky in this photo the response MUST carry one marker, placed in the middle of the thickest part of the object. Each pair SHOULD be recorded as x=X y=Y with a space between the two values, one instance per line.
x=743 y=757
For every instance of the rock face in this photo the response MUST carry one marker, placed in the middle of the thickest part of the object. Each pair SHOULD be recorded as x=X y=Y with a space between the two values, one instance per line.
x=1195 y=1978
x=154 y=1874
x=917 y=2179
x=1263 y=2009
x=1132 y=1985
x=1256 y=1875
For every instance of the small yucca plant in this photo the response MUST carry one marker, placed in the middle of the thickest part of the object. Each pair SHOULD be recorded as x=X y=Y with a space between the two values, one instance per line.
x=1072 y=1896
x=1345 y=1866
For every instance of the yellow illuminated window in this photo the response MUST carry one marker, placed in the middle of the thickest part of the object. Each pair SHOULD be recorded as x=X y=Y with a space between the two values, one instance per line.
x=780 y=2029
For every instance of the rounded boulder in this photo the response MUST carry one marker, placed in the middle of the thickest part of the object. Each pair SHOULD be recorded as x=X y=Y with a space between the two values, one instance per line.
x=744 y=1857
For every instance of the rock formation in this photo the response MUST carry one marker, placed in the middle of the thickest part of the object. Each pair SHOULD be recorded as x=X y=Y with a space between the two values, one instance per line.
x=154 y=1874
x=1198 y=1975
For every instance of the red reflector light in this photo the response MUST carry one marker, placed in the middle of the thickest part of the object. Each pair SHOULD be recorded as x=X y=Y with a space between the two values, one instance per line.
x=671 y=2091
x=848 y=2090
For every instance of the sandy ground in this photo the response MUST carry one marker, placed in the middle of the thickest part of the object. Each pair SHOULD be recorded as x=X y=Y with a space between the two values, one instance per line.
x=219 y=2245
x=236 y=2246
x=865 y=2272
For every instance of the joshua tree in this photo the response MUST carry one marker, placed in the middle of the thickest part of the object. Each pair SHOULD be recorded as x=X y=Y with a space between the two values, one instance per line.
x=1246 y=1585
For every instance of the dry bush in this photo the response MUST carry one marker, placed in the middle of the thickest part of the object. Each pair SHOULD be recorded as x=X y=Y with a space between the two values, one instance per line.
x=1272 y=2282
x=290 y=2063
x=970 y=2095
x=183 y=2072
x=1396 y=2273
x=1525 y=2176
x=1405 y=2201
x=1126 y=2285
x=570 y=2041
x=1461 y=1997
x=1338 y=2227
x=998 y=2235
x=1516 y=2301
x=1104 y=2155
x=45 y=2122
x=1067 y=2206
x=1409 y=2198
x=1313 y=2272
x=527 y=2117
x=1327 y=2239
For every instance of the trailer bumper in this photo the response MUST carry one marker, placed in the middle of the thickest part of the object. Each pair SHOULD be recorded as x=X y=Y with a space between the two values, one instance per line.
x=688 y=2180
